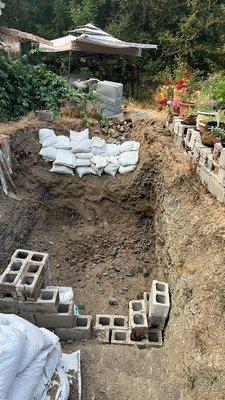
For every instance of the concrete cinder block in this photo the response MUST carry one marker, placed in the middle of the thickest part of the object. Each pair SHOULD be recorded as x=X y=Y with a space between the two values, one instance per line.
x=221 y=159
x=156 y=322
x=10 y=277
x=47 y=303
x=31 y=281
x=64 y=318
x=154 y=338
x=81 y=330
x=8 y=304
x=159 y=304
x=216 y=188
x=138 y=324
x=217 y=151
x=28 y=317
x=137 y=306
x=221 y=176
x=120 y=336
x=28 y=255
x=110 y=322
x=146 y=300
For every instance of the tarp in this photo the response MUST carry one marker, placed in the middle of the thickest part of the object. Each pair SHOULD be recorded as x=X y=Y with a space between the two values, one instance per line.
x=93 y=40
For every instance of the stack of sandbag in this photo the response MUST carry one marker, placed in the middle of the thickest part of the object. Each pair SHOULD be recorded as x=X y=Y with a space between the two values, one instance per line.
x=85 y=156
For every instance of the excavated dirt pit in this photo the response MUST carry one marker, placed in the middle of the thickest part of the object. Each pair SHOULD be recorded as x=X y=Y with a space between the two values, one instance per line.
x=109 y=238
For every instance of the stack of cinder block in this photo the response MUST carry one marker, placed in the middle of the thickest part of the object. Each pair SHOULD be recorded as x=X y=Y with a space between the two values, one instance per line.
x=145 y=324
x=24 y=291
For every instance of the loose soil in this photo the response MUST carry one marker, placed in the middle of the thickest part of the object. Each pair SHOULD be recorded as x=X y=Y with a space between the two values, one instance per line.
x=109 y=238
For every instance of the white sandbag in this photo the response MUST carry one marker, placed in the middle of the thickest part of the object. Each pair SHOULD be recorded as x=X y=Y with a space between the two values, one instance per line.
x=62 y=142
x=126 y=170
x=44 y=133
x=80 y=141
x=65 y=157
x=97 y=146
x=49 y=141
x=85 y=155
x=62 y=170
x=98 y=171
x=99 y=161
x=128 y=158
x=111 y=149
x=113 y=166
x=83 y=162
x=81 y=171
x=48 y=153
x=129 y=146
x=66 y=294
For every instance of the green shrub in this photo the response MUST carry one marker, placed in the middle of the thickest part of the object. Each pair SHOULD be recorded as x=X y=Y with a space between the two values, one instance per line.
x=24 y=88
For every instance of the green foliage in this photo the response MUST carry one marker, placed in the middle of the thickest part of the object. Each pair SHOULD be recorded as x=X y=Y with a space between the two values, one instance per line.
x=220 y=90
x=25 y=88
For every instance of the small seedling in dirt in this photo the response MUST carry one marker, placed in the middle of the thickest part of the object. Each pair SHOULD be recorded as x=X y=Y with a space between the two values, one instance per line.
x=192 y=379
x=212 y=377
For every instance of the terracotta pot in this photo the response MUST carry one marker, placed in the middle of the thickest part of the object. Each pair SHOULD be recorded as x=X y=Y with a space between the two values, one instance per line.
x=185 y=108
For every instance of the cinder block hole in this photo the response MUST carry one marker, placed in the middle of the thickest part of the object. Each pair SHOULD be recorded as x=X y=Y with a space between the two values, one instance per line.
x=48 y=295
x=15 y=266
x=22 y=254
x=154 y=326
x=33 y=269
x=121 y=336
x=104 y=321
x=37 y=257
x=138 y=320
x=28 y=280
x=63 y=308
x=160 y=287
x=160 y=299
x=153 y=337
x=6 y=296
x=81 y=322
x=119 y=321
x=137 y=306
x=9 y=278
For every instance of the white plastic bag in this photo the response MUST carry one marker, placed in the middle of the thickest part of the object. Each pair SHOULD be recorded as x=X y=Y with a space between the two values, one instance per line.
x=62 y=142
x=48 y=153
x=111 y=149
x=81 y=171
x=62 y=170
x=126 y=170
x=97 y=146
x=128 y=158
x=83 y=162
x=129 y=146
x=66 y=158
x=99 y=161
x=44 y=133
x=80 y=141
x=113 y=166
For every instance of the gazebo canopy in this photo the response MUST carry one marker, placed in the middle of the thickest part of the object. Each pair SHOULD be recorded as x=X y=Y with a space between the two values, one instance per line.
x=92 y=40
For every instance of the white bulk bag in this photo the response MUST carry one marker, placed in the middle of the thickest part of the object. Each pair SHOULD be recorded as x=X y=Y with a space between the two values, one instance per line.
x=81 y=171
x=62 y=142
x=99 y=161
x=62 y=170
x=128 y=158
x=48 y=153
x=129 y=146
x=113 y=166
x=66 y=158
x=111 y=149
x=126 y=170
x=80 y=141
x=97 y=146
x=44 y=133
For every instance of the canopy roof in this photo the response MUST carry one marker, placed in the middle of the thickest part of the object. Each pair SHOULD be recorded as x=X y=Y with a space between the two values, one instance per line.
x=93 y=40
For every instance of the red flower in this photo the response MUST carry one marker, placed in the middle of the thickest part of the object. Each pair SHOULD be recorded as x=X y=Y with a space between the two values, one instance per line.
x=163 y=101
x=187 y=76
x=167 y=82
x=180 y=84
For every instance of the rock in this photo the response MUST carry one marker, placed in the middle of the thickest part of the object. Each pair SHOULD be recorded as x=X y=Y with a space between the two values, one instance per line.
x=45 y=115
x=132 y=272
x=117 y=269
x=113 y=302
